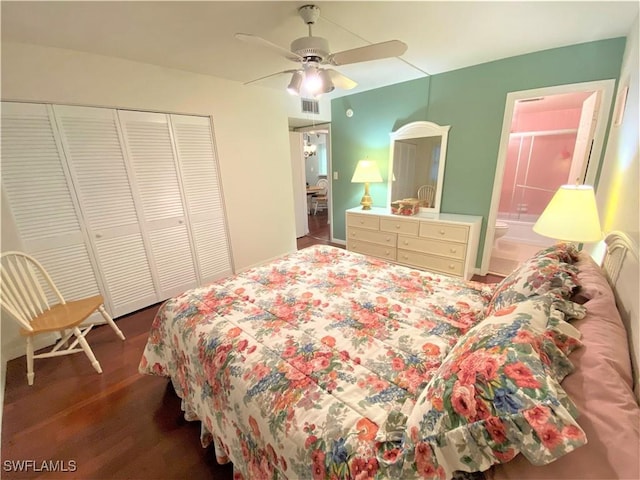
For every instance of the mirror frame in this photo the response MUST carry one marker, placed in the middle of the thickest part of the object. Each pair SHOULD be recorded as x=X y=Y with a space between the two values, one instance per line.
x=421 y=129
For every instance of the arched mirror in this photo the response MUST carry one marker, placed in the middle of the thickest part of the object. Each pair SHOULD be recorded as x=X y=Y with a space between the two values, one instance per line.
x=416 y=164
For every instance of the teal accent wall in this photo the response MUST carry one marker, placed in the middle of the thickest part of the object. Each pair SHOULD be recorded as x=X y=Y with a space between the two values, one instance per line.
x=472 y=101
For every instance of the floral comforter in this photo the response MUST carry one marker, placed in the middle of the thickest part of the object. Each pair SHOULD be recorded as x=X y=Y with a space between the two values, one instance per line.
x=306 y=367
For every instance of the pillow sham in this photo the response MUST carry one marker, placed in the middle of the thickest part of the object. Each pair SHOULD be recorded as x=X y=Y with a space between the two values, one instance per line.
x=601 y=388
x=538 y=275
x=496 y=394
x=561 y=251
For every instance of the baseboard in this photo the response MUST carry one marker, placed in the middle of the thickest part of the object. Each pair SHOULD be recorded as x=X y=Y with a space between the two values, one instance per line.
x=260 y=264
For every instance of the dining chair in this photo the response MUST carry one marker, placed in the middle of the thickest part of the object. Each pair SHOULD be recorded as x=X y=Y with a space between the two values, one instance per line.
x=321 y=199
x=426 y=195
x=25 y=292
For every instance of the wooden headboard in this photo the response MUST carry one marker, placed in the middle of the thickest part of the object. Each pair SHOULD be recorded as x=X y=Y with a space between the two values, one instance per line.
x=622 y=268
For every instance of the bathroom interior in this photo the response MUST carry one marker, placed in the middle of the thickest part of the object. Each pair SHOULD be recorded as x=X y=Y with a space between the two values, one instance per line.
x=546 y=150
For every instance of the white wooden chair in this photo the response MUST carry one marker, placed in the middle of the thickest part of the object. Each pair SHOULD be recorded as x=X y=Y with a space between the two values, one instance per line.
x=23 y=295
x=321 y=199
x=426 y=195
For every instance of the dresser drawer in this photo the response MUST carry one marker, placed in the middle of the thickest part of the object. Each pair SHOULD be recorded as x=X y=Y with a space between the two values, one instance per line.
x=435 y=247
x=388 y=253
x=449 y=266
x=408 y=227
x=444 y=231
x=363 y=221
x=381 y=238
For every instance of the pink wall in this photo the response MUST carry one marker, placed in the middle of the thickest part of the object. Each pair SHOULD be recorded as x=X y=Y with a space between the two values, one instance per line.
x=548 y=165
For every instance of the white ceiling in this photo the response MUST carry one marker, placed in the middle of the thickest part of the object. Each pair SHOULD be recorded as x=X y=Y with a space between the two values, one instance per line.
x=199 y=36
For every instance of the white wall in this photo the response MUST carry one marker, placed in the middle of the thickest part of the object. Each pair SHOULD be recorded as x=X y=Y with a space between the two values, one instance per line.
x=617 y=191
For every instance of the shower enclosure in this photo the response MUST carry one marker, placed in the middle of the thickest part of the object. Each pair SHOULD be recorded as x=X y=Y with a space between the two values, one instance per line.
x=538 y=162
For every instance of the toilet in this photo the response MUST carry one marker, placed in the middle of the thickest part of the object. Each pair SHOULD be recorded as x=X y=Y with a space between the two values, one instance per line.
x=501 y=229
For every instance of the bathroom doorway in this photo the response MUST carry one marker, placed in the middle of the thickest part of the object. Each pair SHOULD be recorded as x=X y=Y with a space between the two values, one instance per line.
x=550 y=137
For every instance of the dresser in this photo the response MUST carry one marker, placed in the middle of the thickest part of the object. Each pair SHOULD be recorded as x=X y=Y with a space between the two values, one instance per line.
x=443 y=243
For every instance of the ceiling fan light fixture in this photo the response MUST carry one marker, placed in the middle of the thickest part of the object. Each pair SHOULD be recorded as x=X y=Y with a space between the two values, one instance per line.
x=313 y=81
x=295 y=83
x=327 y=84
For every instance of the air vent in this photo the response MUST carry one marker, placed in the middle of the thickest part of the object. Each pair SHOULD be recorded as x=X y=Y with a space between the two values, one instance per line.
x=310 y=106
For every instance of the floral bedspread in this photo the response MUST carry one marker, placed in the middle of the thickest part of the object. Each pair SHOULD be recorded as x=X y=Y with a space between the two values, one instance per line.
x=305 y=367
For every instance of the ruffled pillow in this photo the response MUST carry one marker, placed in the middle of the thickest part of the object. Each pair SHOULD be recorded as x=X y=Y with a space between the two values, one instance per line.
x=496 y=394
x=539 y=275
x=563 y=252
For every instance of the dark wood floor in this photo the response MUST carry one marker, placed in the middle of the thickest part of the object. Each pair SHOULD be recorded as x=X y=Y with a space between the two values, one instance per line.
x=117 y=425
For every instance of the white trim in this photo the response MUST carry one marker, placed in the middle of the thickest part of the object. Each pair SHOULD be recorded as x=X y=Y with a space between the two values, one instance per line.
x=606 y=87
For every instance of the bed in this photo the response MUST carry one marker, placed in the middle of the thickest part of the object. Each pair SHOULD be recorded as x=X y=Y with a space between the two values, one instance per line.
x=330 y=364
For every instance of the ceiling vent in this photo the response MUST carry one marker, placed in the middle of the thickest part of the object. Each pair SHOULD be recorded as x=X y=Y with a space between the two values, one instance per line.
x=310 y=106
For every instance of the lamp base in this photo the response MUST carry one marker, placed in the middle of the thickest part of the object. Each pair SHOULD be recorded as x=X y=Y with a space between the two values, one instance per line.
x=366 y=202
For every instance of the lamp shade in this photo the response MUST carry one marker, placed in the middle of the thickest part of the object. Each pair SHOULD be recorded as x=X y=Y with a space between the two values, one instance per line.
x=295 y=83
x=571 y=216
x=366 y=172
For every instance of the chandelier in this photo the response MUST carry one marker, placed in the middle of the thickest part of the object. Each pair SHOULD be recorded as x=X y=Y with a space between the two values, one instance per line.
x=309 y=148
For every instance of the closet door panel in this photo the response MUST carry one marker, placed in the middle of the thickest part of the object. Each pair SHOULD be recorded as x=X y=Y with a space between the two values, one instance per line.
x=92 y=145
x=171 y=247
x=126 y=270
x=36 y=186
x=203 y=195
x=213 y=257
x=152 y=156
x=98 y=168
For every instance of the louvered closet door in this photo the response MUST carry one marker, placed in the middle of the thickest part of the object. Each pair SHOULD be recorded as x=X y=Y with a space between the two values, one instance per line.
x=203 y=195
x=93 y=148
x=152 y=157
x=45 y=211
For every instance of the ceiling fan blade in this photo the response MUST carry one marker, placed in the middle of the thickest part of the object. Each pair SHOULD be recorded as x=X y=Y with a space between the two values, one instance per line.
x=391 y=48
x=255 y=40
x=268 y=76
x=340 y=81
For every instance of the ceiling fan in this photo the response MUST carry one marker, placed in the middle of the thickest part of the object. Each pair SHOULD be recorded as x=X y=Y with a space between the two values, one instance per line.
x=313 y=52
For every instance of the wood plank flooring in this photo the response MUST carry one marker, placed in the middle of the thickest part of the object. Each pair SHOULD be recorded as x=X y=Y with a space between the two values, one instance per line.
x=117 y=425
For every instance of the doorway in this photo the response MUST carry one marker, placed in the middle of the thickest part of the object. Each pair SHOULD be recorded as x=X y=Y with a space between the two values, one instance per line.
x=313 y=204
x=550 y=137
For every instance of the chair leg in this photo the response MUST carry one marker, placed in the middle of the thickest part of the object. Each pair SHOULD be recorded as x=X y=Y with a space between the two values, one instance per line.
x=87 y=349
x=30 y=374
x=111 y=323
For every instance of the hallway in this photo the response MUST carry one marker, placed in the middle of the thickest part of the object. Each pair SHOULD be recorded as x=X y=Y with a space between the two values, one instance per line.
x=319 y=231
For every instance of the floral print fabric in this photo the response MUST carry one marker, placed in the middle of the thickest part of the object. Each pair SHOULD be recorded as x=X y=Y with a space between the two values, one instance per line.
x=497 y=394
x=302 y=368
x=550 y=271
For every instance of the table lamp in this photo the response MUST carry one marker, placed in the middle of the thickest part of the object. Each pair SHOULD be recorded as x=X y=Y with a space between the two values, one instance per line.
x=366 y=172
x=571 y=216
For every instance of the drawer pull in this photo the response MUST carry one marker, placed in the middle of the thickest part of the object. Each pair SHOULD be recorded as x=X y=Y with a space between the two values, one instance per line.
x=406 y=242
x=441 y=232
x=453 y=250
x=398 y=225
x=406 y=257
x=387 y=252
x=361 y=222
x=451 y=266
x=388 y=239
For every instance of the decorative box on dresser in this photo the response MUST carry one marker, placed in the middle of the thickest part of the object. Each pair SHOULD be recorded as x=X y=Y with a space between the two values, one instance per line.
x=440 y=242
